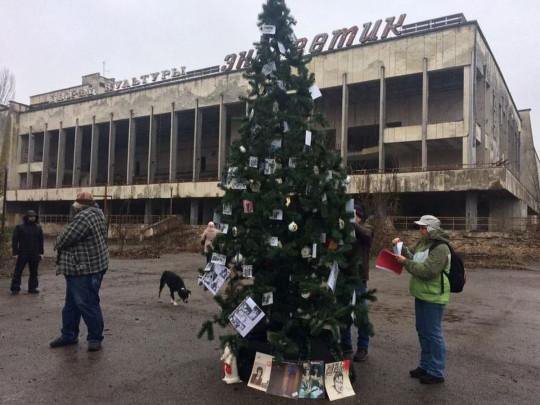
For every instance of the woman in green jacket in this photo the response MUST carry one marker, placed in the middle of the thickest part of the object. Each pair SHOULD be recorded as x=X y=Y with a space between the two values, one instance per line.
x=429 y=263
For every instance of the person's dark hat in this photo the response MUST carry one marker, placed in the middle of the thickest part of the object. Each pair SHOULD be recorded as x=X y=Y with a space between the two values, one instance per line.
x=31 y=213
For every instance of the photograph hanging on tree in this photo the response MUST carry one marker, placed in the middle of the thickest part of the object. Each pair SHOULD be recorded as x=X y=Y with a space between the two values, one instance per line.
x=215 y=278
x=246 y=316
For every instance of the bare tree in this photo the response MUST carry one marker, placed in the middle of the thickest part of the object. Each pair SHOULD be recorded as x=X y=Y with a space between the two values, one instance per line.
x=7 y=86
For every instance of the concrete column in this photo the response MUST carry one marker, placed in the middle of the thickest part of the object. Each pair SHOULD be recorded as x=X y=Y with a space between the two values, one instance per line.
x=60 y=160
x=152 y=148
x=77 y=152
x=382 y=117
x=19 y=149
x=344 y=120
x=507 y=214
x=46 y=157
x=147 y=212
x=471 y=211
x=425 y=112
x=112 y=143
x=194 y=212
x=94 y=151
x=222 y=137
x=132 y=135
x=197 y=142
x=30 y=158
x=173 y=145
x=469 y=158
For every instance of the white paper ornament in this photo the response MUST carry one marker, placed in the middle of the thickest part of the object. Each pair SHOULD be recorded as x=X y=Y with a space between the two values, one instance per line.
x=292 y=162
x=267 y=299
x=305 y=252
x=268 y=29
x=306 y=295
x=285 y=126
x=277 y=215
x=341 y=224
x=238 y=258
x=242 y=149
x=253 y=161
x=315 y=92
x=281 y=48
x=316 y=170
x=293 y=226
x=247 y=271
x=308 y=138
x=255 y=186
x=268 y=68
x=234 y=231
x=227 y=209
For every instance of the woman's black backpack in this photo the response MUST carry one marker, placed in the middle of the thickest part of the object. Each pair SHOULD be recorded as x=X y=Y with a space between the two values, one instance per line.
x=456 y=275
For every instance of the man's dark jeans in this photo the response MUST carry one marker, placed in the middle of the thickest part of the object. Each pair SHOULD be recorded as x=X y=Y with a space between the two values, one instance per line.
x=33 y=263
x=82 y=299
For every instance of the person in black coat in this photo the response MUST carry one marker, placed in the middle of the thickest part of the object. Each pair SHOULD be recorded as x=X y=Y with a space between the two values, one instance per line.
x=27 y=245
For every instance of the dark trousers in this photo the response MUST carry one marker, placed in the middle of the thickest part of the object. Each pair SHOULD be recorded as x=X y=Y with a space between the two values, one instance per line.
x=82 y=300
x=363 y=335
x=33 y=263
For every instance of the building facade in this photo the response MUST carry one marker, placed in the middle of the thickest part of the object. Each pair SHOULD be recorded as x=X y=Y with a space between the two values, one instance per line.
x=425 y=115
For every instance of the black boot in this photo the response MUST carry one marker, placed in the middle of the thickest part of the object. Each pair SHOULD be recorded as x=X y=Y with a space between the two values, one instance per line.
x=61 y=342
x=431 y=379
x=417 y=372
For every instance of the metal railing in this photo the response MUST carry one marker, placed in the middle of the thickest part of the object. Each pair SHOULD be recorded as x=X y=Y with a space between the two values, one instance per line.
x=113 y=219
x=480 y=224
x=430 y=168
x=428 y=25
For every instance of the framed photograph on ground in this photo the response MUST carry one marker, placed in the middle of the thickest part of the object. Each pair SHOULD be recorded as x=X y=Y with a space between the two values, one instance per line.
x=260 y=374
x=312 y=383
x=285 y=380
x=336 y=380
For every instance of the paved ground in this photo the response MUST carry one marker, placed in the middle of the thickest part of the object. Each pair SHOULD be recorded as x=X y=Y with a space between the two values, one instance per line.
x=152 y=355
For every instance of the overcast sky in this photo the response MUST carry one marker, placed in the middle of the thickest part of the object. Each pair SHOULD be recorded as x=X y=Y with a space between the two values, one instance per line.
x=50 y=44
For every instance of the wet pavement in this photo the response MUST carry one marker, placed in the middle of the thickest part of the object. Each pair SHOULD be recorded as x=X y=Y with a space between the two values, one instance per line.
x=151 y=353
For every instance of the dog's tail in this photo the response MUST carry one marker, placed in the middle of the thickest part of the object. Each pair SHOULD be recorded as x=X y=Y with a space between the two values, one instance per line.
x=161 y=283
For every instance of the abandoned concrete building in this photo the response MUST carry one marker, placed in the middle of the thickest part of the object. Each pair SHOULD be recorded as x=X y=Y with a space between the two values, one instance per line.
x=425 y=115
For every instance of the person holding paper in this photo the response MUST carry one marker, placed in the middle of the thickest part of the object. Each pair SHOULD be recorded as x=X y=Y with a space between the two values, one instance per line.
x=359 y=261
x=431 y=288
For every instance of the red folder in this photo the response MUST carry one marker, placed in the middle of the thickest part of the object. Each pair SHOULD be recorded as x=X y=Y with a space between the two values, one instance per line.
x=388 y=261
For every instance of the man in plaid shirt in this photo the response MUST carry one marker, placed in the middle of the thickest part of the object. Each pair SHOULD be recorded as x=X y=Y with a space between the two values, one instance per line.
x=83 y=259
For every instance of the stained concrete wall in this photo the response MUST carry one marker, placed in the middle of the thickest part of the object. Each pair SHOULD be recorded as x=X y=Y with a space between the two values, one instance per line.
x=529 y=169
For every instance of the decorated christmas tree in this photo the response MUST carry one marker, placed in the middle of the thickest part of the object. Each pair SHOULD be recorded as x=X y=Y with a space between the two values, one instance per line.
x=285 y=217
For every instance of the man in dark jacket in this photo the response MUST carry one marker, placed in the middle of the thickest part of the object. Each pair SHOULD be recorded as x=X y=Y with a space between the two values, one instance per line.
x=83 y=259
x=359 y=258
x=27 y=245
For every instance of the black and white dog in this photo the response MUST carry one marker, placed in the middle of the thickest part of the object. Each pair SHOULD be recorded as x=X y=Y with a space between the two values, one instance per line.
x=175 y=284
